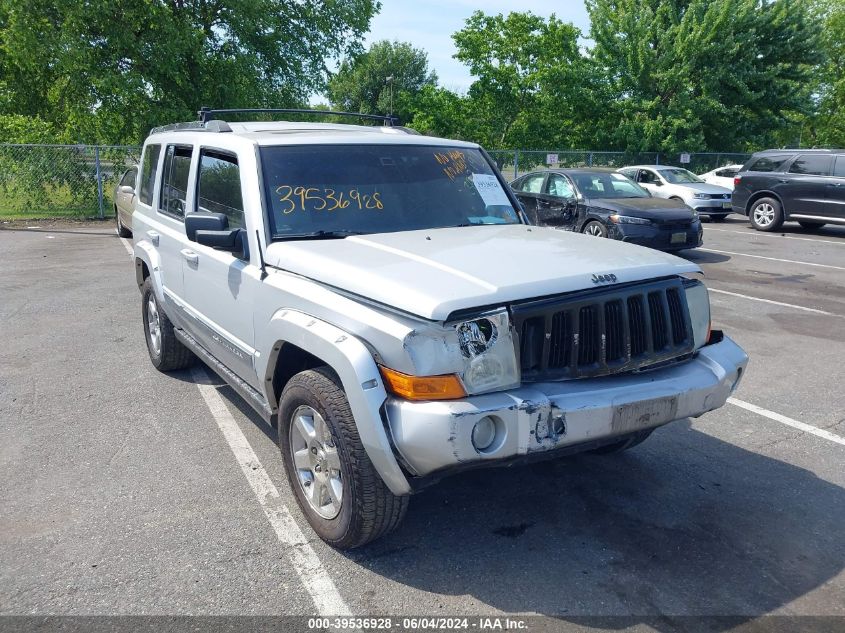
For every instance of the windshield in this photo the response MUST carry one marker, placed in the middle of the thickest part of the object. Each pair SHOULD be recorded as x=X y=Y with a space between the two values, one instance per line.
x=679 y=176
x=607 y=185
x=332 y=190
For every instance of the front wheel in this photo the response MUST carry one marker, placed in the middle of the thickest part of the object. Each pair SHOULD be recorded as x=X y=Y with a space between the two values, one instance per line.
x=766 y=214
x=334 y=482
x=596 y=229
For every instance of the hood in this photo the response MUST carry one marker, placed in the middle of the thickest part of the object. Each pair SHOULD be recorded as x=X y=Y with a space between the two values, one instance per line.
x=655 y=209
x=433 y=273
x=703 y=187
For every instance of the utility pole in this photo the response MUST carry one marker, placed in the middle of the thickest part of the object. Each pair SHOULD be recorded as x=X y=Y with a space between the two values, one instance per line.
x=389 y=80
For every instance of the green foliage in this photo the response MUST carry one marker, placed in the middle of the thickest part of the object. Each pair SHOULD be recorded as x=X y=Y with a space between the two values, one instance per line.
x=108 y=70
x=829 y=126
x=17 y=128
x=532 y=80
x=362 y=85
x=703 y=74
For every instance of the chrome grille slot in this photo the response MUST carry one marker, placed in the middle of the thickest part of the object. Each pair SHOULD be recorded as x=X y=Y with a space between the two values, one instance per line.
x=602 y=331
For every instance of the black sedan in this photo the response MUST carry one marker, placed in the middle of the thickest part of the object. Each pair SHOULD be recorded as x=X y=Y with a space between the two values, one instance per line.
x=607 y=204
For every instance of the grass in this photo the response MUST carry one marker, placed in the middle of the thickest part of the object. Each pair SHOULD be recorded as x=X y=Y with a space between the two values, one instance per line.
x=52 y=202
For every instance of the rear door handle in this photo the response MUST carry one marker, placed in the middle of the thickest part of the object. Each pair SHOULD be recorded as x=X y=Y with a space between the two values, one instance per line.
x=153 y=235
x=190 y=256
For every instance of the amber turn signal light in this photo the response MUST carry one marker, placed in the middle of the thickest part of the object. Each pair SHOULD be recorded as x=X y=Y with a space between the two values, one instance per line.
x=445 y=387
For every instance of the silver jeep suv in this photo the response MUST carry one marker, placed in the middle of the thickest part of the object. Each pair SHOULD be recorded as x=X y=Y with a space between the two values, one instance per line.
x=379 y=296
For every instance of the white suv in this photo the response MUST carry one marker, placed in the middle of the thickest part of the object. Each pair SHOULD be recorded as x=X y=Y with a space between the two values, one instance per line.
x=378 y=295
x=676 y=183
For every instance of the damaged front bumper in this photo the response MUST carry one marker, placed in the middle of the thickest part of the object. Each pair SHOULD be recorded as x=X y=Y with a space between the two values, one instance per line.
x=433 y=437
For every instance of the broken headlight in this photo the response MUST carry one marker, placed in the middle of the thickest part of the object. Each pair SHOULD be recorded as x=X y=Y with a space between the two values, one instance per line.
x=489 y=356
x=698 y=302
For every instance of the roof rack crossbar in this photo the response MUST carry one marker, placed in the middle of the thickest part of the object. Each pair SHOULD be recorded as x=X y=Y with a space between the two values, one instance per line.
x=206 y=113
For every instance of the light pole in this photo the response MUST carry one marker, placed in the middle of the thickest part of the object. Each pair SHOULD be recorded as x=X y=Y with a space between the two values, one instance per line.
x=389 y=80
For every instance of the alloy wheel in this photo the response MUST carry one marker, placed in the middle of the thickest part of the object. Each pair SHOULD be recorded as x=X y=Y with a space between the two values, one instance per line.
x=317 y=462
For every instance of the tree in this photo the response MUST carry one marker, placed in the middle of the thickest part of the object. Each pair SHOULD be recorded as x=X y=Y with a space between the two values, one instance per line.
x=703 y=74
x=364 y=85
x=108 y=70
x=532 y=85
x=829 y=125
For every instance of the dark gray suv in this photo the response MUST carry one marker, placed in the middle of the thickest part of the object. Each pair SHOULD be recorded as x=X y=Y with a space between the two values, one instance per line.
x=777 y=185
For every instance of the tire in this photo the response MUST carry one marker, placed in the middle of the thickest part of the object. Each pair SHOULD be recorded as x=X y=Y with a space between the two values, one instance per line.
x=166 y=351
x=315 y=420
x=810 y=225
x=766 y=214
x=594 y=228
x=629 y=442
x=122 y=231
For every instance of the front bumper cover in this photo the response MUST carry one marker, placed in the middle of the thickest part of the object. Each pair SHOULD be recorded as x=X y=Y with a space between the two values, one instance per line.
x=432 y=437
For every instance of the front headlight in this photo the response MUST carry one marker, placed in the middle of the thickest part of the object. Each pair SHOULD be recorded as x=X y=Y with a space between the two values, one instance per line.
x=698 y=302
x=627 y=219
x=488 y=352
x=695 y=215
x=701 y=196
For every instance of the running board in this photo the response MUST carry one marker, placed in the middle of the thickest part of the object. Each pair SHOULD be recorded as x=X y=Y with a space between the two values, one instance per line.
x=241 y=387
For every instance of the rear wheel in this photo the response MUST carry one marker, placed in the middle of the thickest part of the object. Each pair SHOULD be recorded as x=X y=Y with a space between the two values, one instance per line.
x=166 y=351
x=766 y=214
x=596 y=229
x=122 y=231
x=810 y=225
x=335 y=484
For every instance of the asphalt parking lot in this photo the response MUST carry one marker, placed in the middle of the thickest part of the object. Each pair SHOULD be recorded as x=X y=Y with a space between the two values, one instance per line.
x=121 y=492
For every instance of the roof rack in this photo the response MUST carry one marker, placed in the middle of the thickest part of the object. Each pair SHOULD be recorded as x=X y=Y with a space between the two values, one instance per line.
x=206 y=113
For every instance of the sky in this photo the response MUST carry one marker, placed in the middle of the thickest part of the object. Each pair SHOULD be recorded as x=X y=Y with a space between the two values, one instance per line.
x=429 y=24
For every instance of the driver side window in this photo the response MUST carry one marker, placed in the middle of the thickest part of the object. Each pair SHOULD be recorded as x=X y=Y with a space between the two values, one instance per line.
x=647 y=177
x=560 y=187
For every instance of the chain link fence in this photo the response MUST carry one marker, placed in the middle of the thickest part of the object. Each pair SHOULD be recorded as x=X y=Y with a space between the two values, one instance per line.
x=514 y=163
x=61 y=180
x=79 y=180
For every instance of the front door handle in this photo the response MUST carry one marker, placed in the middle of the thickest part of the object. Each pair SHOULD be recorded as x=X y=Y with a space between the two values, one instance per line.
x=190 y=256
x=153 y=235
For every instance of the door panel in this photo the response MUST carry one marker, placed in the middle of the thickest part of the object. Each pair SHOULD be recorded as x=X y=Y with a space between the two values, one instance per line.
x=219 y=287
x=803 y=188
x=835 y=195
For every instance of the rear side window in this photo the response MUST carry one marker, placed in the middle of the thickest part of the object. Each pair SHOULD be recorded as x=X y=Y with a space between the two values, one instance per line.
x=839 y=169
x=533 y=184
x=768 y=163
x=219 y=187
x=149 y=165
x=812 y=164
x=174 y=180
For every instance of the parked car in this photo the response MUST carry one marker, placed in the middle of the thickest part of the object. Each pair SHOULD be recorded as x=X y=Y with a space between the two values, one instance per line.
x=683 y=185
x=124 y=199
x=722 y=176
x=379 y=297
x=777 y=185
x=607 y=204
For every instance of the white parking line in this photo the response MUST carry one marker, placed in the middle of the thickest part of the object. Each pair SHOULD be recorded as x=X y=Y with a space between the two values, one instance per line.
x=774 y=259
x=303 y=558
x=786 y=237
x=777 y=417
x=126 y=244
x=777 y=303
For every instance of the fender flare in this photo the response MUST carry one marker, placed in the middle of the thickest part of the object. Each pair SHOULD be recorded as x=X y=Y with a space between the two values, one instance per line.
x=146 y=254
x=763 y=193
x=354 y=364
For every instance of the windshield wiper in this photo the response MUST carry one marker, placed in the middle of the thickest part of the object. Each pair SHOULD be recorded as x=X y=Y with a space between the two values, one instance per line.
x=319 y=235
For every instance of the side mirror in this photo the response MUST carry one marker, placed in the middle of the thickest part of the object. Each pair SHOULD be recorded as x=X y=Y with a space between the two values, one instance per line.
x=657 y=183
x=127 y=189
x=212 y=229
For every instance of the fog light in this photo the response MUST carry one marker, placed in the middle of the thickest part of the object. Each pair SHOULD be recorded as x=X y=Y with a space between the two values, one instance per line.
x=483 y=433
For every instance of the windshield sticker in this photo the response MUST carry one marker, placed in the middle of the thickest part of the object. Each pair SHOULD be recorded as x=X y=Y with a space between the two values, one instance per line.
x=325 y=199
x=454 y=163
x=490 y=190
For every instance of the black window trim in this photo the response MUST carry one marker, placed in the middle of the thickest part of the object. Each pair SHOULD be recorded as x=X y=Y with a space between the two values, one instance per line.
x=159 y=210
x=152 y=203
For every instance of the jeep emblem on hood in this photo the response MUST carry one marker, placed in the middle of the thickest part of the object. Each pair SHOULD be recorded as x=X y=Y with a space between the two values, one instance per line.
x=604 y=279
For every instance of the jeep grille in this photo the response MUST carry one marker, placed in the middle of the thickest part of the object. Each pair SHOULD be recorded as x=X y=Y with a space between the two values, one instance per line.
x=603 y=332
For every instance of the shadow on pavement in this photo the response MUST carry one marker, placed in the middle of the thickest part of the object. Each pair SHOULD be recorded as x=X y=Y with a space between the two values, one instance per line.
x=685 y=524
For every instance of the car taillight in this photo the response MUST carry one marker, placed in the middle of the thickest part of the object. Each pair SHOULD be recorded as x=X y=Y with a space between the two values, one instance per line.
x=737 y=179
